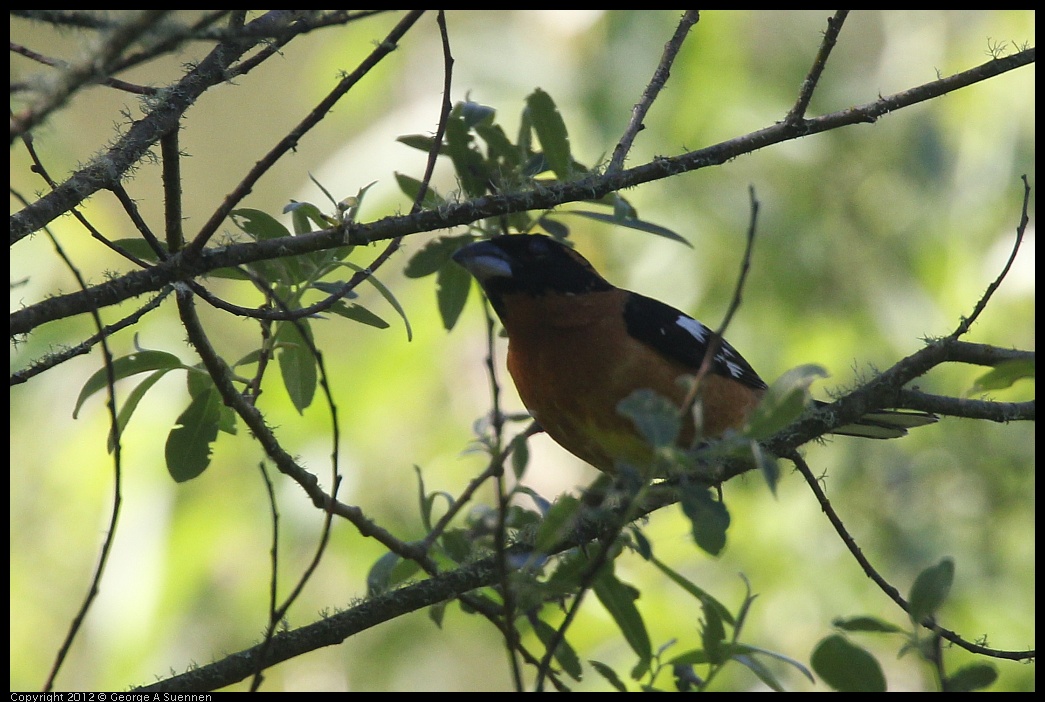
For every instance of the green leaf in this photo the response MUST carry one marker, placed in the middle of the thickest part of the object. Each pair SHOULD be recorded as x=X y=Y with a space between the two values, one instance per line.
x=557 y=523
x=622 y=209
x=322 y=189
x=469 y=164
x=713 y=636
x=767 y=464
x=334 y=287
x=520 y=455
x=641 y=544
x=412 y=186
x=199 y=382
x=758 y=668
x=452 y=285
x=421 y=142
x=930 y=589
x=308 y=267
x=189 y=443
x=609 y=674
x=748 y=650
x=304 y=214
x=551 y=132
x=498 y=146
x=259 y=225
x=709 y=518
x=525 y=140
x=555 y=228
x=388 y=570
x=434 y=255
x=868 y=624
x=358 y=313
x=379 y=578
x=387 y=294
x=140 y=247
x=262 y=226
x=975 y=676
x=426 y=501
x=297 y=365
x=131 y=403
x=564 y=653
x=1004 y=375
x=350 y=206
x=846 y=667
x=655 y=417
x=784 y=402
x=228 y=274
x=706 y=600
x=619 y=601
x=696 y=656
x=436 y=613
x=631 y=223
x=125 y=366
x=459 y=545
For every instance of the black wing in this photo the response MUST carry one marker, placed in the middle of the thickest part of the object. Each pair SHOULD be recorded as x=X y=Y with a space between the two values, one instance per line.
x=682 y=338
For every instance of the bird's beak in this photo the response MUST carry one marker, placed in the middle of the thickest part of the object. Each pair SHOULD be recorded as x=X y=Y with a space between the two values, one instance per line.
x=484 y=260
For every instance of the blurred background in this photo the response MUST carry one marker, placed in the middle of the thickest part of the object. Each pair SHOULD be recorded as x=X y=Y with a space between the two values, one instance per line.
x=870 y=238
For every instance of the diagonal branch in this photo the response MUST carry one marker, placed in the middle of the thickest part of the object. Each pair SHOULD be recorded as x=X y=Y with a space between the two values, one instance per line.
x=180 y=267
x=106 y=170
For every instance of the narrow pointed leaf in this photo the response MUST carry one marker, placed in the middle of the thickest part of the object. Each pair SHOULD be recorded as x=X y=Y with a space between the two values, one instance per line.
x=126 y=366
x=131 y=403
x=358 y=313
x=564 y=653
x=387 y=294
x=632 y=223
x=297 y=365
x=551 y=132
x=619 y=601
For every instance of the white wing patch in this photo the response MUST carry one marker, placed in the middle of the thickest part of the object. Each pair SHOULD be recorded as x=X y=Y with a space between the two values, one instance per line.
x=725 y=355
x=723 y=358
x=698 y=330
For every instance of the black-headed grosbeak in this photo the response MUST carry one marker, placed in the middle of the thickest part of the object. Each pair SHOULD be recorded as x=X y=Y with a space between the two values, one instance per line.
x=577 y=346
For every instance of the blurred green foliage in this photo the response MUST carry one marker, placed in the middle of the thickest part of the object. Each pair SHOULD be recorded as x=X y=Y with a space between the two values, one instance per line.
x=870 y=237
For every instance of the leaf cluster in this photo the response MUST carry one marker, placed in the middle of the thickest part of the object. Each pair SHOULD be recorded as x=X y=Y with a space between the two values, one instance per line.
x=486 y=161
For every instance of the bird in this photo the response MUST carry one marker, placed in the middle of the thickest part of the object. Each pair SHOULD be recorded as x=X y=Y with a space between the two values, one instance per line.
x=578 y=346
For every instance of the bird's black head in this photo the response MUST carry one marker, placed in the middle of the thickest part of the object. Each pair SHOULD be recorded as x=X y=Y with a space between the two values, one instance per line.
x=530 y=264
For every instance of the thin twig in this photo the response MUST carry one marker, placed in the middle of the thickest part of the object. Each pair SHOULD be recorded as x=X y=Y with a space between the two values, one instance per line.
x=93 y=66
x=660 y=78
x=717 y=337
x=110 y=534
x=834 y=26
x=107 y=169
x=53 y=359
x=881 y=582
x=1021 y=228
x=290 y=141
x=496 y=464
x=222 y=376
x=109 y=82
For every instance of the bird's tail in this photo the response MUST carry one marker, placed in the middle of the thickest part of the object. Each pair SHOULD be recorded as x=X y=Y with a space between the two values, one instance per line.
x=885 y=424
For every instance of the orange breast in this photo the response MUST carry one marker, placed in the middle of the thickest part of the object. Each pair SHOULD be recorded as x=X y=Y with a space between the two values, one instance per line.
x=573 y=362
